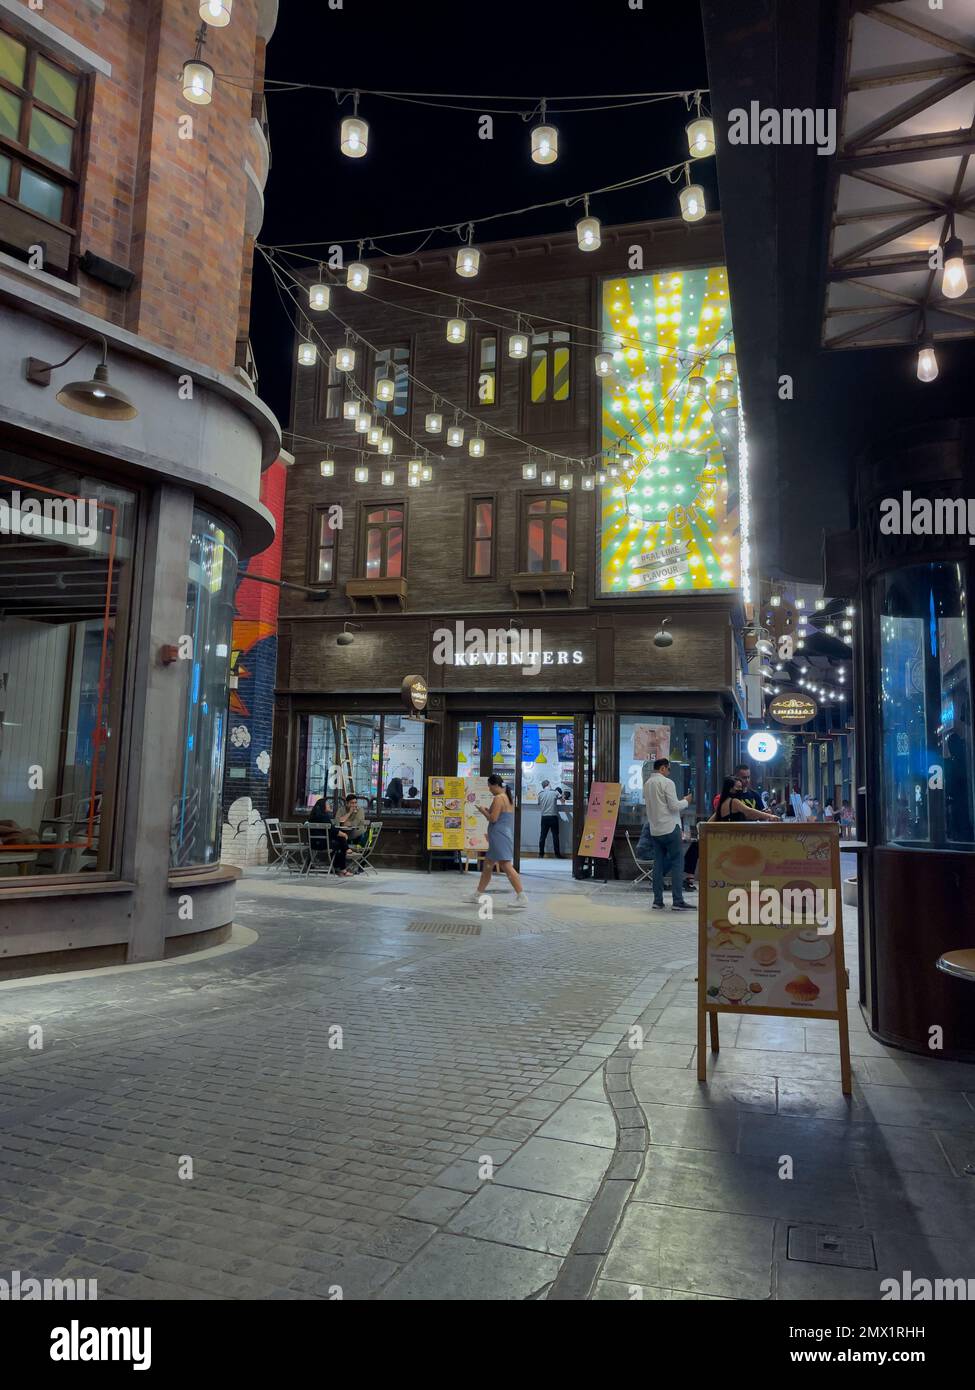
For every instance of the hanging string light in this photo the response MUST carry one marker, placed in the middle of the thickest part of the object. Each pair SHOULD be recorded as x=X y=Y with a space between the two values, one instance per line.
x=692 y=204
x=216 y=13
x=350 y=408
x=426 y=473
x=386 y=444
x=588 y=230
x=319 y=295
x=197 y=79
x=354 y=134
x=357 y=275
x=468 y=258
x=327 y=468
x=604 y=363
x=455 y=435
x=954 y=280
x=588 y=482
x=548 y=478
x=433 y=424
x=700 y=133
x=457 y=327
x=565 y=482
x=545 y=141
x=475 y=445
x=385 y=389
x=307 y=354
x=373 y=435
x=363 y=422
x=518 y=342
x=361 y=473
x=387 y=477
x=345 y=358
x=927 y=362
x=529 y=471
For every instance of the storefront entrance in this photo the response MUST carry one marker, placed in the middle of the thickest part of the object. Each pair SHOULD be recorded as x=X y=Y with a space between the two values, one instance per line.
x=526 y=751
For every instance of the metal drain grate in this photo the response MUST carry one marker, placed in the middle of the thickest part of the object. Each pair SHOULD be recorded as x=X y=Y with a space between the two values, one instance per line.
x=447 y=928
x=812 y=1244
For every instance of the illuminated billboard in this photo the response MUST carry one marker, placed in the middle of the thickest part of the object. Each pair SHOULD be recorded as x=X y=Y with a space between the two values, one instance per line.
x=670 y=513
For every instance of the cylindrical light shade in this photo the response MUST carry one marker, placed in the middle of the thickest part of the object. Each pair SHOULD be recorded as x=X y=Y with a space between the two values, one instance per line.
x=455 y=436
x=529 y=471
x=307 y=354
x=319 y=297
x=565 y=482
x=456 y=330
x=724 y=391
x=727 y=365
x=426 y=473
x=361 y=473
x=600 y=478
x=354 y=139
x=604 y=363
x=198 y=82
x=927 y=362
x=954 y=281
x=357 y=276
x=613 y=470
x=518 y=345
x=327 y=467
x=416 y=465
x=625 y=458
x=386 y=444
x=588 y=233
x=363 y=422
x=387 y=477
x=588 y=482
x=344 y=360
x=216 y=13
x=433 y=424
x=545 y=144
x=692 y=206
x=696 y=387
x=373 y=434
x=414 y=480
x=700 y=137
x=468 y=261
x=548 y=479
x=385 y=389
x=350 y=409
x=475 y=447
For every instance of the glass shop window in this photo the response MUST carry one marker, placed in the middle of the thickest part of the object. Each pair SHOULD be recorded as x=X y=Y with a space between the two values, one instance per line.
x=691 y=745
x=65 y=589
x=925 y=711
x=546 y=535
x=383 y=542
x=379 y=757
x=484 y=361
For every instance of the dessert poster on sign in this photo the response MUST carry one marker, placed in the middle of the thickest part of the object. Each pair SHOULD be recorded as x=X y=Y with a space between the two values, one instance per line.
x=601 y=814
x=770 y=926
x=453 y=820
x=476 y=793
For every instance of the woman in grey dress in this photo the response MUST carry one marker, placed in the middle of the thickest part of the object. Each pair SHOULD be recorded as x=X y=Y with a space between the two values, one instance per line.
x=501 y=842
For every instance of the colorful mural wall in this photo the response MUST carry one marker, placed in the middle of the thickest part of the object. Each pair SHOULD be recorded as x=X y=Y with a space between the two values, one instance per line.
x=670 y=513
x=253 y=659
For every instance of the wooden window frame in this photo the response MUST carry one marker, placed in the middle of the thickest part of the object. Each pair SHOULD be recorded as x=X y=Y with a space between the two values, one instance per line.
x=362 y=527
x=548 y=416
x=525 y=516
x=322 y=389
x=314 y=548
x=374 y=405
x=21 y=155
x=470 y=548
x=477 y=338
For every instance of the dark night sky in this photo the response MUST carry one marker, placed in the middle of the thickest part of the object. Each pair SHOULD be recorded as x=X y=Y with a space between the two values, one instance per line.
x=426 y=165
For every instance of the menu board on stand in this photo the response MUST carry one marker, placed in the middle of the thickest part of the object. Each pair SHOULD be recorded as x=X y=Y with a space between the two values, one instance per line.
x=600 y=826
x=770 y=928
x=454 y=821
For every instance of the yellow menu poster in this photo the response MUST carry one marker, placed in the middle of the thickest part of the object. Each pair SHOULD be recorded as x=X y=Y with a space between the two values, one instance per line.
x=453 y=818
x=770 y=925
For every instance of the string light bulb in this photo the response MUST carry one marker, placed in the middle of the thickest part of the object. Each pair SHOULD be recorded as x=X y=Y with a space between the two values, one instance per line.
x=433 y=424
x=361 y=473
x=548 y=478
x=197 y=77
x=385 y=389
x=518 y=345
x=319 y=297
x=363 y=422
x=954 y=280
x=565 y=482
x=588 y=230
x=604 y=363
x=529 y=471
x=357 y=276
x=588 y=482
x=475 y=446
x=374 y=434
x=307 y=354
x=216 y=13
x=456 y=329
x=727 y=366
x=387 y=477
x=354 y=134
x=545 y=142
x=467 y=262
x=414 y=480
x=692 y=204
x=455 y=436
x=696 y=387
x=700 y=136
x=327 y=468
x=344 y=359
x=426 y=473
x=927 y=362
x=350 y=408
x=386 y=444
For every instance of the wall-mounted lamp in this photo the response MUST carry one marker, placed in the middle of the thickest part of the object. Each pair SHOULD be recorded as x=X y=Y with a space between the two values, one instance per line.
x=663 y=638
x=96 y=397
x=345 y=638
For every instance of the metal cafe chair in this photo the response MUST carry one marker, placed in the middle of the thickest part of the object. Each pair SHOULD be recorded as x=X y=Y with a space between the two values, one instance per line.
x=319 y=851
x=285 y=841
x=644 y=867
x=361 y=855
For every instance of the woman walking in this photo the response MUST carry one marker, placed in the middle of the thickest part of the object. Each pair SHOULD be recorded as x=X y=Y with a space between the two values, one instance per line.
x=501 y=842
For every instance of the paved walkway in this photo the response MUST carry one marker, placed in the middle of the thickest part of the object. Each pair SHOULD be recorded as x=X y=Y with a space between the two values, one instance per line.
x=389 y=1111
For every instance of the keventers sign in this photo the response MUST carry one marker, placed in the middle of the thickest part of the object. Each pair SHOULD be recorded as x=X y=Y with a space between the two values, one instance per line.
x=793 y=709
x=414 y=693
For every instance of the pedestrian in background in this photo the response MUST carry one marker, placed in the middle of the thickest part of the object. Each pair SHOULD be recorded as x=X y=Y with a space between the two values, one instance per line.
x=663 y=816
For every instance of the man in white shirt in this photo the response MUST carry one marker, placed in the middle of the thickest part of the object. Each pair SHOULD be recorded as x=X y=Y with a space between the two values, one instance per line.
x=663 y=816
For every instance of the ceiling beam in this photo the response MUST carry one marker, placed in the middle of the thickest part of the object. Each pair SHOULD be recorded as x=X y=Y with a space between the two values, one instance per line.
x=917 y=31
x=909 y=224
x=909 y=150
x=890 y=317
x=905 y=72
x=923 y=101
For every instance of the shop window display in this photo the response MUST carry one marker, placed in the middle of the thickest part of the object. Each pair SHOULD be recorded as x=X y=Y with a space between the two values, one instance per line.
x=690 y=744
x=380 y=757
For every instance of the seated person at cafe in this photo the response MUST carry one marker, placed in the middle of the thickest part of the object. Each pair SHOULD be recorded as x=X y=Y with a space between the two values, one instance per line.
x=351 y=830
x=320 y=815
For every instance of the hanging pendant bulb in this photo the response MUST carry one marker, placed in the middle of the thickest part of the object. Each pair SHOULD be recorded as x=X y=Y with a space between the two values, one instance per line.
x=198 y=82
x=327 y=468
x=374 y=434
x=613 y=470
x=385 y=389
x=954 y=280
x=700 y=137
x=426 y=473
x=361 y=473
x=414 y=480
x=548 y=478
x=696 y=388
x=344 y=359
x=455 y=436
x=363 y=422
x=624 y=458
x=386 y=444
x=475 y=446
x=307 y=354
x=415 y=465
x=350 y=409
x=588 y=230
x=726 y=365
x=692 y=205
x=927 y=362
x=588 y=482
x=604 y=363
x=387 y=477
x=529 y=471
x=545 y=144
x=456 y=330
x=566 y=481
x=724 y=391
x=354 y=134
x=216 y=13
x=518 y=345
x=319 y=297
x=357 y=276
x=433 y=424
x=468 y=261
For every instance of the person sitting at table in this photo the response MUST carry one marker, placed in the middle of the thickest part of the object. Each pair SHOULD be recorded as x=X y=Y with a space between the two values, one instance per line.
x=351 y=831
x=320 y=814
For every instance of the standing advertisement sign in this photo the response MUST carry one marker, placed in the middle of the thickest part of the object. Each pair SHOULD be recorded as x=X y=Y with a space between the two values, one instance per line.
x=601 y=814
x=770 y=928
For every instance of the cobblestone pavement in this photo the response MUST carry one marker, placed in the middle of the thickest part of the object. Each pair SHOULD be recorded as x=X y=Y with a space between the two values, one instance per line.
x=485 y=1130
x=317 y=1167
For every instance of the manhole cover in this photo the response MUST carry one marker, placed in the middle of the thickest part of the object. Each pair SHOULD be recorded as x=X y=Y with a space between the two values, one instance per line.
x=853 y=1249
x=447 y=928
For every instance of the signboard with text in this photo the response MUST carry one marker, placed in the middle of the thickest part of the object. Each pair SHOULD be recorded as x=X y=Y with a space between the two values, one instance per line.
x=601 y=814
x=453 y=818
